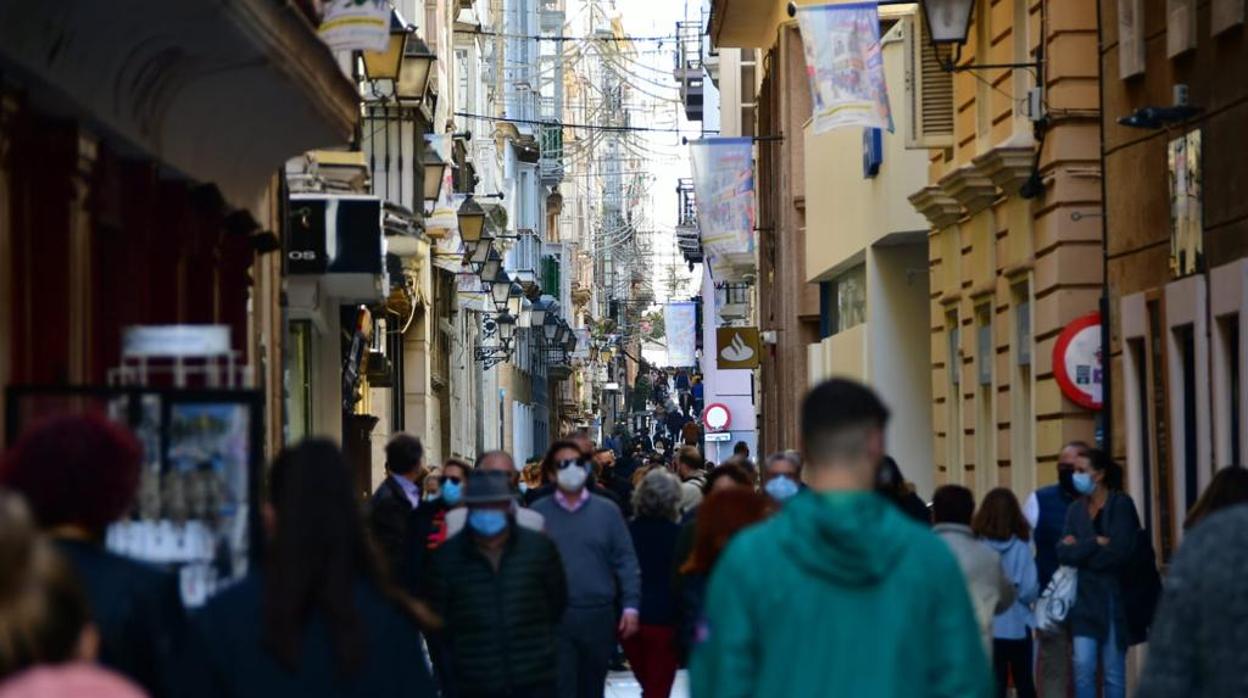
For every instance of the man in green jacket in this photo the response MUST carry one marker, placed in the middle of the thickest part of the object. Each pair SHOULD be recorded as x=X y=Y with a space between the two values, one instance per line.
x=839 y=594
x=500 y=591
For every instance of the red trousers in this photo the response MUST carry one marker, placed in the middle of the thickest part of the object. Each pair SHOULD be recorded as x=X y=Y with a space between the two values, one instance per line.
x=652 y=654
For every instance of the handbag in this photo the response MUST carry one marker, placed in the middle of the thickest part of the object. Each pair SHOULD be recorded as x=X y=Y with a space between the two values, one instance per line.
x=1054 y=604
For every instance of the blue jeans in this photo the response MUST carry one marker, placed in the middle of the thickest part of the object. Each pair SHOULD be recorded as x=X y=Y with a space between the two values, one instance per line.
x=1113 y=661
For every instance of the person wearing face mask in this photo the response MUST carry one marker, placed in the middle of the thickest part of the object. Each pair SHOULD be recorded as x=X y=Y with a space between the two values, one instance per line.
x=1045 y=511
x=1099 y=539
x=782 y=476
x=500 y=590
x=602 y=572
x=428 y=522
x=497 y=462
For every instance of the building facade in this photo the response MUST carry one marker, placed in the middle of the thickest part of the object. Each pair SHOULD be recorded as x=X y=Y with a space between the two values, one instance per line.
x=1012 y=199
x=1177 y=243
x=869 y=256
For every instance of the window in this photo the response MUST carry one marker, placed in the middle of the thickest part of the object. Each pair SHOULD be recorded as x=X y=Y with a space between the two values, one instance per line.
x=953 y=402
x=1229 y=358
x=849 y=292
x=1137 y=366
x=1022 y=412
x=1186 y=334
x=929 y=91
x=1185 y=337
x=1157 y=395
x=985 y=431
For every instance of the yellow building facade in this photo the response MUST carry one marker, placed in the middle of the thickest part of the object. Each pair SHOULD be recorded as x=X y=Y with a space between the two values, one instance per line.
x=1013 y=199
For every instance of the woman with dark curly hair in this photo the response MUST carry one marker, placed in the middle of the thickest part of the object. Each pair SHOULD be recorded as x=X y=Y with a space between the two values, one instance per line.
x=80 y=474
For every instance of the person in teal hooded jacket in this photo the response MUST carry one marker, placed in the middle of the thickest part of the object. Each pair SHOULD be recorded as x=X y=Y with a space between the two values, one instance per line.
x=839 y=594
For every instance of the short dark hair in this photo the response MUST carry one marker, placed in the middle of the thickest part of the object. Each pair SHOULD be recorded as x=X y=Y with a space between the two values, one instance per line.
x=690 y=456
x=953 y=504
x=404 y=454
x=741 y=447
x=836 y=415
x=549 y=466
x=603 y=450
x=732 y=471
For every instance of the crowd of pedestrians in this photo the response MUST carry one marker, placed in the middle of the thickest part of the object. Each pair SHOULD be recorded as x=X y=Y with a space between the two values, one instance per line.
x=818 y=572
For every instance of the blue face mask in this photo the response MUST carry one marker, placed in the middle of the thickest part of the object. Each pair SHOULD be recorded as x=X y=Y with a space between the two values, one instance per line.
x=1083 y=483
x=781 y=488
x=487 y=522
x=451 y=492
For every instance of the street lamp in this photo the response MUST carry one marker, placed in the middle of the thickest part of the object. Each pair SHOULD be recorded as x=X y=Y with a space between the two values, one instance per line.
x=471 y=221
x=569 y=345
x=537 y=314
x=550 y=327
x=948 y=21
x=435 y=169
x=500 y=291
x=515 y=299
x=506 y=327
x=387 y=64
x=415 y=71
x=492 y=268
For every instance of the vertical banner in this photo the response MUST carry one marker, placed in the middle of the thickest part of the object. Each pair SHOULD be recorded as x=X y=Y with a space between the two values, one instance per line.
x=723 y=182
x=680 y=321
x=356 y=25
x=1186 y=220
x=845 y=65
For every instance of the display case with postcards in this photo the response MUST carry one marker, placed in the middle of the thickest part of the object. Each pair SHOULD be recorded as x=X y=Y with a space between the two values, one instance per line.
x=195 y=512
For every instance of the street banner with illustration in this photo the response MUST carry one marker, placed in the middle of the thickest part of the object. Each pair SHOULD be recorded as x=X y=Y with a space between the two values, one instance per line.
x=723 y=182
x=845 y=65
x=356 y=25
x=680 y=322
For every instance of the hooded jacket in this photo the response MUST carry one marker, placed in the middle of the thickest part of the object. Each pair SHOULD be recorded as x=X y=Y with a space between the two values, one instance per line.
x=991 y=593
x=838 y=594
x=1020 y=570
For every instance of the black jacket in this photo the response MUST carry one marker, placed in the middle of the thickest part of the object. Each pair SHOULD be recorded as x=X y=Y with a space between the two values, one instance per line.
x=499 y=626
x=389 y=515
x=226 y=656
x=655 y=542
x=1100 y=566
x=138 y=611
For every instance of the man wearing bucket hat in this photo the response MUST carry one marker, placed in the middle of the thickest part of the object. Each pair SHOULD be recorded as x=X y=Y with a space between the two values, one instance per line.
x=500 y=591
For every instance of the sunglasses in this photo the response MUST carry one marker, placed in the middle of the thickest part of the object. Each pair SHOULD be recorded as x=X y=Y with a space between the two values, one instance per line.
x=569 y=462
x=451 y=478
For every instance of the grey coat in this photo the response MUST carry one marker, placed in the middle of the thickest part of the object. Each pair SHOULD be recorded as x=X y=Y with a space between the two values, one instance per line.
x=1196 y=647
x=1100 y=566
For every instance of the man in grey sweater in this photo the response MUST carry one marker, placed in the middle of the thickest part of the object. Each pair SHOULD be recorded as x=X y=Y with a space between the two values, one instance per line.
x=602 y=573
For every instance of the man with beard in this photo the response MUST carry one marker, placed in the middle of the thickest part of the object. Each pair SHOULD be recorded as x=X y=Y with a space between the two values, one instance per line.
x=1045 y=510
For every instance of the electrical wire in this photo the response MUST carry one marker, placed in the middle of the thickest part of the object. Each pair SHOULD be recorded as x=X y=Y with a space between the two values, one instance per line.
x=535 y=122
x=562 y=38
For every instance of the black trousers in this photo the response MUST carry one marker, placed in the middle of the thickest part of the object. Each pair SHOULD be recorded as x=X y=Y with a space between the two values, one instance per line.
x=1013 y=658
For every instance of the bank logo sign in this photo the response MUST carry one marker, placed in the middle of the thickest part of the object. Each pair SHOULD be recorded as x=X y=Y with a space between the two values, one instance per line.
x=737 y=347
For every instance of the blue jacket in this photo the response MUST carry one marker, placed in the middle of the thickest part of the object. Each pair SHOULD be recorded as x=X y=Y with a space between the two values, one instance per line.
x=1053 y=503
x=1020 y=569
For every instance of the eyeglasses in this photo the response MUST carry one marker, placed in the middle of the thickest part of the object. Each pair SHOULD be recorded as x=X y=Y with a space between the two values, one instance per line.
x=451 y=478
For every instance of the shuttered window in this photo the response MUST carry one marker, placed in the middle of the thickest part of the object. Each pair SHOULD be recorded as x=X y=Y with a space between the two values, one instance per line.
x=929 y=92
x=1130 y=38
x=1180 y=27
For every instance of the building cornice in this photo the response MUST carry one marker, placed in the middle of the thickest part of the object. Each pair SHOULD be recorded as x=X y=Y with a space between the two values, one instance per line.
x=939 y=208
x=970 y=187
x=1007 y=167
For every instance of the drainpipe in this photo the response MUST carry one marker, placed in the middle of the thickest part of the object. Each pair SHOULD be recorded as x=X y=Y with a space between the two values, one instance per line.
x=1107 y=383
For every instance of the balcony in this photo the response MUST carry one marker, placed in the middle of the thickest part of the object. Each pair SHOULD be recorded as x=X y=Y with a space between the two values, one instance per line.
x=524 y=258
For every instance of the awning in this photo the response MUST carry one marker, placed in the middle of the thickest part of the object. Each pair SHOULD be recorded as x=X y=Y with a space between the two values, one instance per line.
x=219 y=92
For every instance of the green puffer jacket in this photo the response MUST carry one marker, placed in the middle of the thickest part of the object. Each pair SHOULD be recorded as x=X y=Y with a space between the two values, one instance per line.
x=839 y=594
x=499 y=627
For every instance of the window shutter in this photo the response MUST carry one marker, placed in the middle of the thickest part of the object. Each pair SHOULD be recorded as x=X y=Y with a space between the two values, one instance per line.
x=929 y=92
x=1226 y=14
x=1180 y=27
x=1130 y=38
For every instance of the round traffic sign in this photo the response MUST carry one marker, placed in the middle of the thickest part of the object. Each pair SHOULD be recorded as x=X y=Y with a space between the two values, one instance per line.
x=1077 y=361
x=716 y=416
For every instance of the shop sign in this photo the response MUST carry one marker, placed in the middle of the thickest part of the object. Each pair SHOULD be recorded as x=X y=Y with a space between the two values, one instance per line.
x=1186 y=221
x=1077 y=362
x=356 y=25
x=175 y=341
x=737 y=347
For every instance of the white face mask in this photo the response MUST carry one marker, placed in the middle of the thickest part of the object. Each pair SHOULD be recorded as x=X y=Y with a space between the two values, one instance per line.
x=572 y=478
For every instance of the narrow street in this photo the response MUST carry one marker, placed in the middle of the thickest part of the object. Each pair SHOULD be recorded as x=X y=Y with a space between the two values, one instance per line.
x=471 y=348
